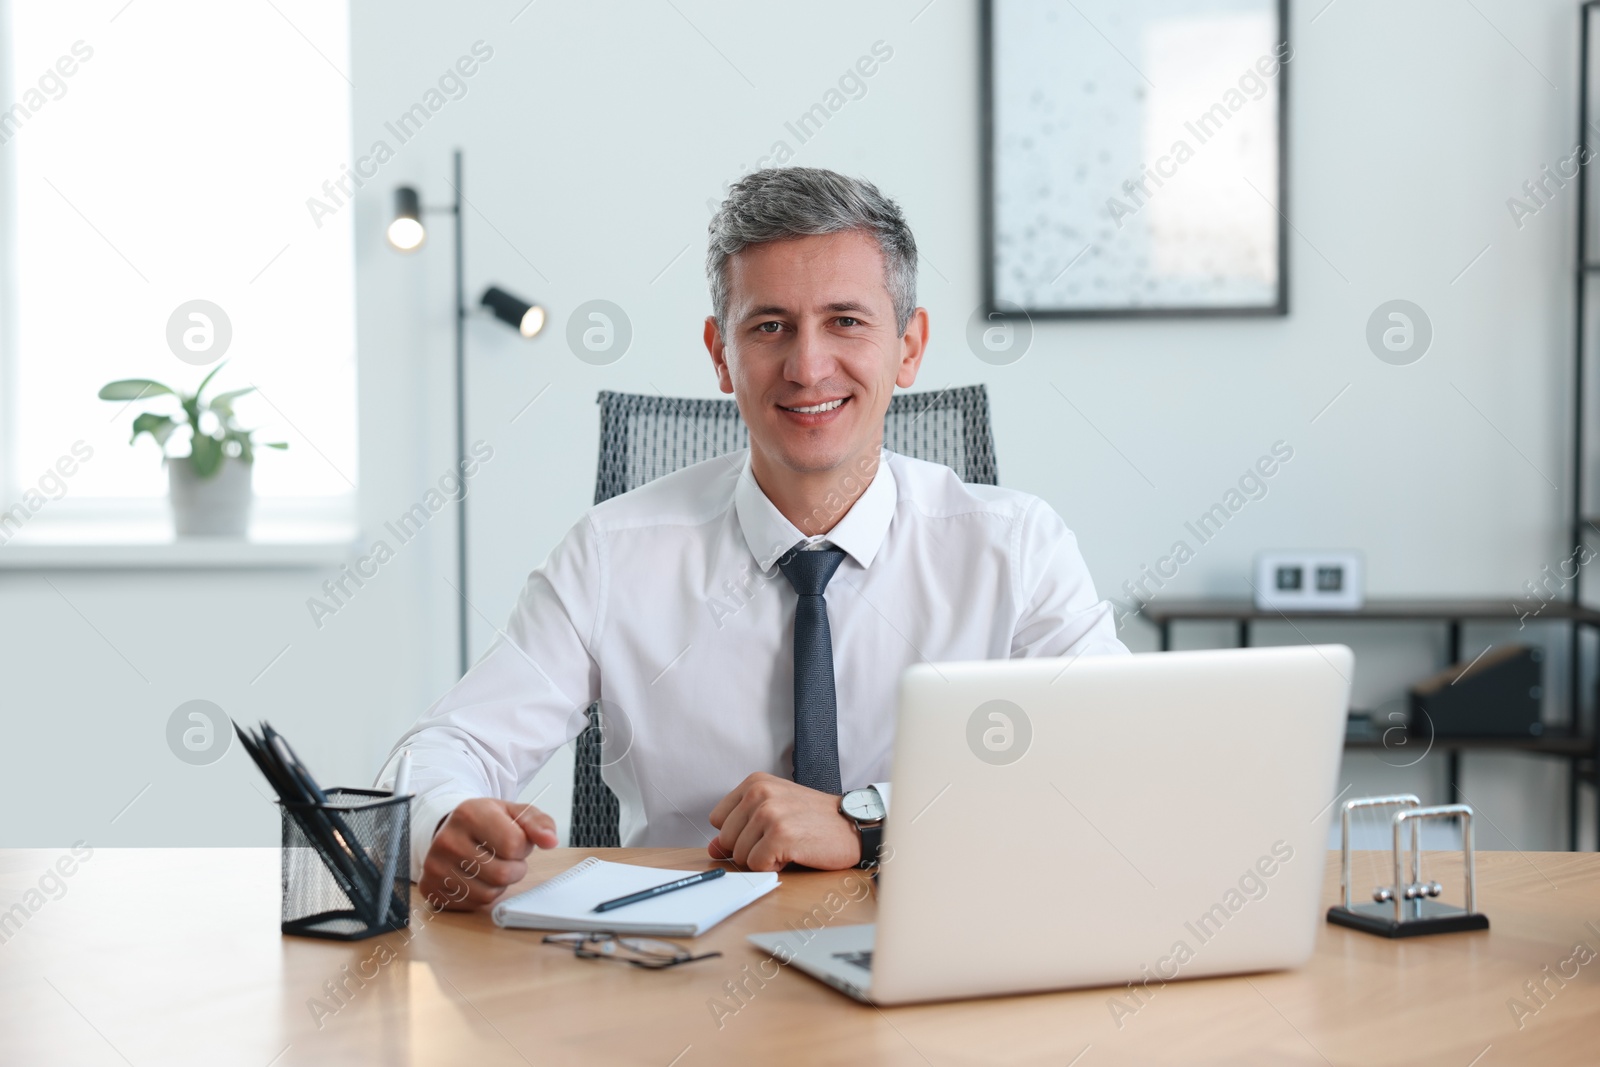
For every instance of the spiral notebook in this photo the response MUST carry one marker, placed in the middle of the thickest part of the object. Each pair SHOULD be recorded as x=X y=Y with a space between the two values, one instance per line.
x=566 y=902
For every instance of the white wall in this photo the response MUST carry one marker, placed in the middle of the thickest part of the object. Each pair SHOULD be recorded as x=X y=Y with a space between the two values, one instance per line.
x=594 y=137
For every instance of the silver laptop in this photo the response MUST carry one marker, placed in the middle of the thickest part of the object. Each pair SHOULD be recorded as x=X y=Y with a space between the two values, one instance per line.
x=1097 y=821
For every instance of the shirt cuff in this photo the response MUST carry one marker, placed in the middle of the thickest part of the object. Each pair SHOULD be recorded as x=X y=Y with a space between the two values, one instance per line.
x=883 y=791
x=427 y=813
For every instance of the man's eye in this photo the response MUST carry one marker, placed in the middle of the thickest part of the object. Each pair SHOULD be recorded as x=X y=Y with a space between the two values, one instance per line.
x=776 y=326
x=846 y=320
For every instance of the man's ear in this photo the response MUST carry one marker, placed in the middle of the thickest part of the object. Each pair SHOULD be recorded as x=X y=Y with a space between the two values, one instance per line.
x=719 y=354
x=912 y=346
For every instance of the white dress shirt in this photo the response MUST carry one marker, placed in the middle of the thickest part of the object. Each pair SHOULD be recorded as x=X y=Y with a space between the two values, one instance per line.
x=666 y=604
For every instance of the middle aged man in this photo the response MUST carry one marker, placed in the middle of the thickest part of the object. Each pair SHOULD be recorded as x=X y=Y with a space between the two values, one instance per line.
x=748 y=618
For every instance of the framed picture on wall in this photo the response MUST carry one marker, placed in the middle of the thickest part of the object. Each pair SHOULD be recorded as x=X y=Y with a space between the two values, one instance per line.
x=1135 y=157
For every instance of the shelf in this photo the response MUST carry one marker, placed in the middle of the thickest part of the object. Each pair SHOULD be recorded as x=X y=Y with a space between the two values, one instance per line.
x=1476 y=610
x=1556 y=741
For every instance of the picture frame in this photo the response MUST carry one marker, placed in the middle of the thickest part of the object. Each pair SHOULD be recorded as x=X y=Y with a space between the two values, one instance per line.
x=1078 y=220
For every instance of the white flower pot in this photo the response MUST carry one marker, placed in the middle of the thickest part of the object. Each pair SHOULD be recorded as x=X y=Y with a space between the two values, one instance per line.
x=218 y=506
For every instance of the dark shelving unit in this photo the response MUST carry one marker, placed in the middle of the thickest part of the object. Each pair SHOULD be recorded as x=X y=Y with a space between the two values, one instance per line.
x=1568 y=741
x=1586 y=277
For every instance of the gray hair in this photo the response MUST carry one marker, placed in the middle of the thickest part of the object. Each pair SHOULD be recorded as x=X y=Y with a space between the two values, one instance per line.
x=780 y=203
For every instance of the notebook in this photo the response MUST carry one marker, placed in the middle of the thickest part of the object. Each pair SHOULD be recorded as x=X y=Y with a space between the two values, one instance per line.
x=566 y=902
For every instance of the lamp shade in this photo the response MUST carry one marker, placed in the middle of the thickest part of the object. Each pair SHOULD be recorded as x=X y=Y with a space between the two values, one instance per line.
x=512 y=310
x=406 y=231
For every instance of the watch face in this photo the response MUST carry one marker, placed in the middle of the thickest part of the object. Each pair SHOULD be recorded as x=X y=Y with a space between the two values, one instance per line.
x=863 y=805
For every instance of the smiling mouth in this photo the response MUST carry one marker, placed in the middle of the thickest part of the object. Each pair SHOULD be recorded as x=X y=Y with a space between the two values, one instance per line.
x=817 y=409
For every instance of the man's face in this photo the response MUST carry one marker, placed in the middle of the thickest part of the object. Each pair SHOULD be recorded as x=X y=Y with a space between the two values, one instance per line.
x=811 y=351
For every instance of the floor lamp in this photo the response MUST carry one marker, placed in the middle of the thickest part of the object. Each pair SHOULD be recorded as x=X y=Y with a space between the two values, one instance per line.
x=406 y=233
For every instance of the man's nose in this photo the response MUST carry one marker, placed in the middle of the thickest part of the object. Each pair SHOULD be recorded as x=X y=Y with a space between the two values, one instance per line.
x=810 y=359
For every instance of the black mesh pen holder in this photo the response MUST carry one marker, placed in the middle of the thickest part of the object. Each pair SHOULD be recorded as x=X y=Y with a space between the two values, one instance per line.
x=347 y=865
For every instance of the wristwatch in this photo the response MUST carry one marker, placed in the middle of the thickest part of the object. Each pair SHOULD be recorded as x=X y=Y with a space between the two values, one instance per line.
x=864 y=808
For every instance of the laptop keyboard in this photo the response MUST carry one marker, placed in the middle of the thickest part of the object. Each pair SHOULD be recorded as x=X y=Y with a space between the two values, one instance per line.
x=860 y=959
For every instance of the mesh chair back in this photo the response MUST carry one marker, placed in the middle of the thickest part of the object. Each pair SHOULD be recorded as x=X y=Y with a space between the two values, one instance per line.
x=645 y=437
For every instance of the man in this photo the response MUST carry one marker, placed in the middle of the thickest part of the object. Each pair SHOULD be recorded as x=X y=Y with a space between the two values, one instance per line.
x=692 y=604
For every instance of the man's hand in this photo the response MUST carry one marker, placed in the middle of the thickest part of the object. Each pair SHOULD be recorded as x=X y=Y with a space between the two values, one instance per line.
x=768 y=822
x=479 y=850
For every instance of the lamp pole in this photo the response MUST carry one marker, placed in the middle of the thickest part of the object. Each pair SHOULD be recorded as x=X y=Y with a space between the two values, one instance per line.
x=461 y=422
x=406 y=233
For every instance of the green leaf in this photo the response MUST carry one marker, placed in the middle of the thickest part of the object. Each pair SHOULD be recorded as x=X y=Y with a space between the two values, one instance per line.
x=223 y=407
x=159 y=427
x=205 y=453
x=133 y=389
x=222 y=403
x=207 y=379
x=280 y=445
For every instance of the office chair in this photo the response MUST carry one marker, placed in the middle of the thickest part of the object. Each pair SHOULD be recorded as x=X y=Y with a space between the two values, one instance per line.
x=644 y=437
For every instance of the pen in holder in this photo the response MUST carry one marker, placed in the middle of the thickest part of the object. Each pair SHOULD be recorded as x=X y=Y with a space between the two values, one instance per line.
x=342 y=865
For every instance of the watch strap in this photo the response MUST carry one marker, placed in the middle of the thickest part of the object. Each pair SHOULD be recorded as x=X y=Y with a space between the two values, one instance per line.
x=871 y=842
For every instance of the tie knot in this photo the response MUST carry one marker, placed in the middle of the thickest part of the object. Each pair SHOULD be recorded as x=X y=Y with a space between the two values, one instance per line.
x=810 y=571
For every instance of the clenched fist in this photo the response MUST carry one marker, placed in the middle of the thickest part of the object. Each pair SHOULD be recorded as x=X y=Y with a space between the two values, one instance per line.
x=479 y=851
x=769 y=822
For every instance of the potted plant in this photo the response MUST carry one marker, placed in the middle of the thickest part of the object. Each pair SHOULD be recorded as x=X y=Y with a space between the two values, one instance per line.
x=210 y=487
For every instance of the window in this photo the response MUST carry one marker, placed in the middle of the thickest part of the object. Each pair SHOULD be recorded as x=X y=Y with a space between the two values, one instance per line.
x=152 y=154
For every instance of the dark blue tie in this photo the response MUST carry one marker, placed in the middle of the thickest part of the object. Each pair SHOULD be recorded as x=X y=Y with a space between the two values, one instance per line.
x=816 y=726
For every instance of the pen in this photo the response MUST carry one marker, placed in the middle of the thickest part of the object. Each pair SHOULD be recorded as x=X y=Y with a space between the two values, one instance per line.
x=656 y=891
x=362 y=871
x=402 y=783
x=402 y=773
x=291 y=793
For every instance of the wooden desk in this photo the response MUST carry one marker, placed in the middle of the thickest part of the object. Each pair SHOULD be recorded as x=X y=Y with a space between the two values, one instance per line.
x=173 y=956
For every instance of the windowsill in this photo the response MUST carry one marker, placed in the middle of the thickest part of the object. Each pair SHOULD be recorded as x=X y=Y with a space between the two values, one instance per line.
x=150 y=544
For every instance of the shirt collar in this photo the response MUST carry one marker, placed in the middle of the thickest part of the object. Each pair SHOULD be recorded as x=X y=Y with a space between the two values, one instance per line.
x=768 y=534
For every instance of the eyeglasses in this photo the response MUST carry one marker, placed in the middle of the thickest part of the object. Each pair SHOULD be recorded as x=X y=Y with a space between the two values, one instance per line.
x=650 y=953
